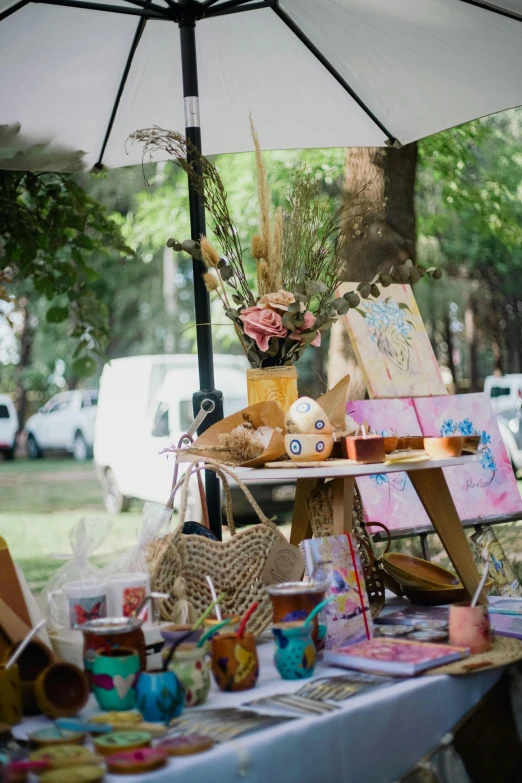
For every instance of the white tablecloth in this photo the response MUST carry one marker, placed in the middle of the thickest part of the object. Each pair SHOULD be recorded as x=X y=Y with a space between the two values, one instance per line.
x=374 y=738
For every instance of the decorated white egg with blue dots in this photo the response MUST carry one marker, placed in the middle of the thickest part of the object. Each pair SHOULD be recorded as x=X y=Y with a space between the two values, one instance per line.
x=303 y=447
x=307 y=417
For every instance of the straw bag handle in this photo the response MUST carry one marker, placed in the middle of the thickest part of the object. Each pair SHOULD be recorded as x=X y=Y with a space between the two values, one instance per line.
x=170 y=503
x=380 y=524
x=223 y=471
x=369 y=551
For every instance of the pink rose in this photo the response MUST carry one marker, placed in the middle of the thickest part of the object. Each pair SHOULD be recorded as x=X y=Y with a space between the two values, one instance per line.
x=261 y=325
x=280 y=300
x=309 y=319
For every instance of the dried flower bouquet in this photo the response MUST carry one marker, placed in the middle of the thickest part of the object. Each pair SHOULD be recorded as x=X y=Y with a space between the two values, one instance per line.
x=300 y=253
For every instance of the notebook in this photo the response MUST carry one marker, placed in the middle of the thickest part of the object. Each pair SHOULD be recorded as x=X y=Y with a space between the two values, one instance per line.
x=506 y=625
x=335 y=560
x=512 y=606
x=394 y=656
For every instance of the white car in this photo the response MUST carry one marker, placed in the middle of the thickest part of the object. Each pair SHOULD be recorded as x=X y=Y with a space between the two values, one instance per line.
x=8 y=426
x=65 y=423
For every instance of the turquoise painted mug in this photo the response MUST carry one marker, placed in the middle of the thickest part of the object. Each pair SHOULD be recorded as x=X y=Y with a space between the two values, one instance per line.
x=295 y=656
x=114 y=676
x=159 y=696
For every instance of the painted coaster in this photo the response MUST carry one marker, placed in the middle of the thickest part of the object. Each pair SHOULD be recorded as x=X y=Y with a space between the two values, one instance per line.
x=394 y=630
x=122 y=740
x=87 y=774
x=429 y=636
x=52 y=736
x=187 y=745
x=61 y=753
x=432 y=625
x=129 y=717
x=136 y=761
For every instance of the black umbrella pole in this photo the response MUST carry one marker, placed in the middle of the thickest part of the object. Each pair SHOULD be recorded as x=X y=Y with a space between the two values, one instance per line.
x=201 y=298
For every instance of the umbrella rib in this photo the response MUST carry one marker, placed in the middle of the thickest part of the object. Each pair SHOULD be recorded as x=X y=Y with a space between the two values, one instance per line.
x=232 y=5
x=494 y=9
x=115 y=9
x=294 y=27
x=13 y=8
x=144 y=5
x=135 y=41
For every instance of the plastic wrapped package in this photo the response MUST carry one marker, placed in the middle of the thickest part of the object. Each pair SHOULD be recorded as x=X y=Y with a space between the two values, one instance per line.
x=86 y=537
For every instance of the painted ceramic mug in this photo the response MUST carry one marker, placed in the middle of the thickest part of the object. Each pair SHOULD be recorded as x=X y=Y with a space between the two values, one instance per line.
x=159 y=696
x=192 y=669
x=114 y=675
x=235 y=665
x=293 y=601
x=100 y=636
x=86 y=600
x=295 y=656
x=469 y=627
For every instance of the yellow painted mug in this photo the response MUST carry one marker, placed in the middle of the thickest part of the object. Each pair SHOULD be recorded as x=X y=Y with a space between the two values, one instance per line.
x=10 y=695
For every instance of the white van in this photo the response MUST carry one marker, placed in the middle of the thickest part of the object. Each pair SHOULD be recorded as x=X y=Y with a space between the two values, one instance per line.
x=8 y=427
x=144 y=406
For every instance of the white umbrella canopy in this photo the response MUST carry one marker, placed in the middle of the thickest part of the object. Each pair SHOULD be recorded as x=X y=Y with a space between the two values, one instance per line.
x=314 y=73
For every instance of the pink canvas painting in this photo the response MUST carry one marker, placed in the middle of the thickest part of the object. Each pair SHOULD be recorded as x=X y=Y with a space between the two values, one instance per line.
x=485 y=489
x=389 y=498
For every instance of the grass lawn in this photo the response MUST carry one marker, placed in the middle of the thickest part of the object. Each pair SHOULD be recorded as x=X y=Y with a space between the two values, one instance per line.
x=40 y=500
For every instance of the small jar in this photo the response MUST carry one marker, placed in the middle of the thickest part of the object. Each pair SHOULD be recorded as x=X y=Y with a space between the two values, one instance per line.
x=191 y=667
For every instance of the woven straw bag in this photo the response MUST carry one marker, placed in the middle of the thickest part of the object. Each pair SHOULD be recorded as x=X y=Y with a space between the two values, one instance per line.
x=320 y=512
x=180 y=565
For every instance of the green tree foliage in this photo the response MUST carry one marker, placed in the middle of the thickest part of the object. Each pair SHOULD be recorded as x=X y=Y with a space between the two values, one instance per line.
x=469 y=213
x=50 y=232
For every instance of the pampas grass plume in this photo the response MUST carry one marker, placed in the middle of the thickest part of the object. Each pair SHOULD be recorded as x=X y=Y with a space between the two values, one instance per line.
x=210 y=254
x=258 y=247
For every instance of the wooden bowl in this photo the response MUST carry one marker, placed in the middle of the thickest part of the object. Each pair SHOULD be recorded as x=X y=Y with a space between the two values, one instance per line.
x=390 y=443
x=62 y=690
x=442 y=448
x=414 y=442
x=414 y=572
x=440 y=596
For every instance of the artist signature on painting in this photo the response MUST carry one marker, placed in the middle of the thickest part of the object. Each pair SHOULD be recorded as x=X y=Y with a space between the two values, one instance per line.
x=480 y=484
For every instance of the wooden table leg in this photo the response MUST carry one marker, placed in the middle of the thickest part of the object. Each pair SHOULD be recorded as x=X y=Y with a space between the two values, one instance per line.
x=301 y=527
x=435 y=496
x=343 y=505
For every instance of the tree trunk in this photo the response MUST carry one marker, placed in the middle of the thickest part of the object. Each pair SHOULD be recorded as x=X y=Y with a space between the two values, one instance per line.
x=448 y=338
x=389 y=238
x=513 y=337
x=26 y=349
x=471 y=337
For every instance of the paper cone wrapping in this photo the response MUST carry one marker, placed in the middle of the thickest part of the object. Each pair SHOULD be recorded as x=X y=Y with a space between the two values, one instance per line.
x=262 y=414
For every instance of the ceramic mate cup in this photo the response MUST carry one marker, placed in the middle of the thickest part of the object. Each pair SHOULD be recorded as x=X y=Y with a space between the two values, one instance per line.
x=469 y=626
x=125 y=592
x=86 y=600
